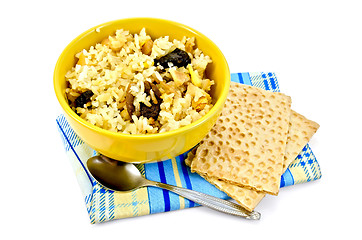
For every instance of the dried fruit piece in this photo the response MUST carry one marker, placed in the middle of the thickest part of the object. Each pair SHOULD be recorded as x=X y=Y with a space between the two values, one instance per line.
x=129 y=101
x=177 y=57
x=146 y=111
x=155 y=108
x=83 y=98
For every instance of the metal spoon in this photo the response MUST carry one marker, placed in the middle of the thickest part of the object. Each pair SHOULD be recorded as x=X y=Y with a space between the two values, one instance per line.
x=120 y=176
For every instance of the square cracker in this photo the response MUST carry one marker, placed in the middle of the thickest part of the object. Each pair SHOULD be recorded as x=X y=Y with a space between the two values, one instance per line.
x=247 y=198
x=249 y=140
x=301 y=130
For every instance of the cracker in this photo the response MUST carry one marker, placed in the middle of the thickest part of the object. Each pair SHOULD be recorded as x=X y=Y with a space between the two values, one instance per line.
x=246 y=146
x=247 y=198
x=300 y=132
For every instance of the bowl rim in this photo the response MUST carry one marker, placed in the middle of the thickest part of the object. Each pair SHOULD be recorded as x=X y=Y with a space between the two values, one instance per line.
x=66 y=108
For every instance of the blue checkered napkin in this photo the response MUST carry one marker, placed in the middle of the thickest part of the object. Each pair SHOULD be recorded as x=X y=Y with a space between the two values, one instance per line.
x=104 y=205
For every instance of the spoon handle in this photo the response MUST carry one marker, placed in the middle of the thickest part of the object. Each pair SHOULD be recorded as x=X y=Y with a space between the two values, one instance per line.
x=210 y=201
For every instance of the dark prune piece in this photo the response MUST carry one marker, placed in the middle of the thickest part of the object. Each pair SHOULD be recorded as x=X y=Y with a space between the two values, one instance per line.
x=177 y=57
x=147 y=87
x=145 y=111
x=150 y=112
x=83 y=98
x=156 y=91
x=155 y=108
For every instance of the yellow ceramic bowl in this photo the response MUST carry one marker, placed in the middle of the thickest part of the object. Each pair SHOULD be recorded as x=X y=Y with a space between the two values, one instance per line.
x=148 y=147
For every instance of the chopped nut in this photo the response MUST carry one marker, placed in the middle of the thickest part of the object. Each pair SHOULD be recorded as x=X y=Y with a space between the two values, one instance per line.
x=179 y=77
x=168 y=89
x=125 y=115
x=106 y=42
x=200 y=104
x=147 y=47
x=189 y=45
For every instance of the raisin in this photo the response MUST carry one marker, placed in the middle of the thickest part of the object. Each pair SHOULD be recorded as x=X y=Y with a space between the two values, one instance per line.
x=177 y=57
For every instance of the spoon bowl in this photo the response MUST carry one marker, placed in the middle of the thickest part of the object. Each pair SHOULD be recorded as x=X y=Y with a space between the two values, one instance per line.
x=120 y=176
x=115 y=175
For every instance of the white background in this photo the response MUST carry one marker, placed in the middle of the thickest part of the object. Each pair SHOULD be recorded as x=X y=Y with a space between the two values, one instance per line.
x=314 y=47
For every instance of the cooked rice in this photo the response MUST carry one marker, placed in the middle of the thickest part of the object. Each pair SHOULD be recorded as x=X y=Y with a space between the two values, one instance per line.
x=117 y=65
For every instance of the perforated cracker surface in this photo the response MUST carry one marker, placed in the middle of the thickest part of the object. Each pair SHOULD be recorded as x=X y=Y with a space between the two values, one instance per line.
x=249 y=199
x=300 y=132
x=246 y=146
